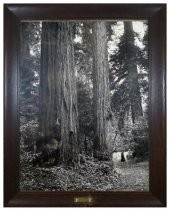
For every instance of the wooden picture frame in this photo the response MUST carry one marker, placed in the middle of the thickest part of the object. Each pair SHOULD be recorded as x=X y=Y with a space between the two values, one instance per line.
x=156 y=15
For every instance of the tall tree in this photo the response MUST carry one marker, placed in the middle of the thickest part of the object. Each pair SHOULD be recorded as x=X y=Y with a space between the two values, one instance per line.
x=102 y=110
x=125 y=78
x=131 y=67
x=69 y=112
x=129 y=84
x=58 y=88
x=49 y=87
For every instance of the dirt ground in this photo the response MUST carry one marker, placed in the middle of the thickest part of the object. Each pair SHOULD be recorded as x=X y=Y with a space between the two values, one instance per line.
x=133 y=176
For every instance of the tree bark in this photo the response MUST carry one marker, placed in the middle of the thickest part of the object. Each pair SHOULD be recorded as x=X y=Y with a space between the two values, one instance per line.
x=101 y=96
x=49 y=87
x=69 y=113
x=58 y=88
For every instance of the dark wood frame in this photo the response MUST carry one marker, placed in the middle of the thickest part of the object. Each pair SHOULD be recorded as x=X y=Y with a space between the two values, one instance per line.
x=156 y=15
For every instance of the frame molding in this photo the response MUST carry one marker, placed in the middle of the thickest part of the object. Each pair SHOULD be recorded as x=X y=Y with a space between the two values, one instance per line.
x=156 y=15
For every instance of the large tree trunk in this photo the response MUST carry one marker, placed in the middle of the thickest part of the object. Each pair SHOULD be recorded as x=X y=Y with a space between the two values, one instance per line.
x=49 y=87
x=102 y=110
x=58 y=88
x=69 y=113
x=134 y=89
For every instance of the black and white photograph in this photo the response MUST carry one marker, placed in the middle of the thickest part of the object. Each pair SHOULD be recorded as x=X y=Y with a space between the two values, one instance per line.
x=84 y=105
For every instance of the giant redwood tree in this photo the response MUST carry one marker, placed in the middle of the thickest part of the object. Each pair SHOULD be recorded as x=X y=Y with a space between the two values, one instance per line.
x=101 y=96
x=58 y=95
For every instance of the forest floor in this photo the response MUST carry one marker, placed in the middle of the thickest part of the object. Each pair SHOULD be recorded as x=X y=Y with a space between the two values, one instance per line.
x=134 y=176
x=90 y=176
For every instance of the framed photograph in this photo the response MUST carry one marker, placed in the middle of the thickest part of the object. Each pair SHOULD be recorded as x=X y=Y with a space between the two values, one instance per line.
x=85 y=105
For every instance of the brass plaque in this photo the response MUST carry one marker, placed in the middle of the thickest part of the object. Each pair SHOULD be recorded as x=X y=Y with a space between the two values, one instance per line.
x=84 y=199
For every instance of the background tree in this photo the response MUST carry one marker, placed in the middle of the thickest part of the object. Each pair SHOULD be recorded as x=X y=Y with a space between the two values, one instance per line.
x=125 y=83
x=84 y=67
x=129 y=85
x=29 y=82
x=131 y=67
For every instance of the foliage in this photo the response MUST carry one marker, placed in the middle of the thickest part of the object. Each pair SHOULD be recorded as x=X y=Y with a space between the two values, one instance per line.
x=29 y=82
x=140 y=140
x=93 y=175
x=125 y=55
